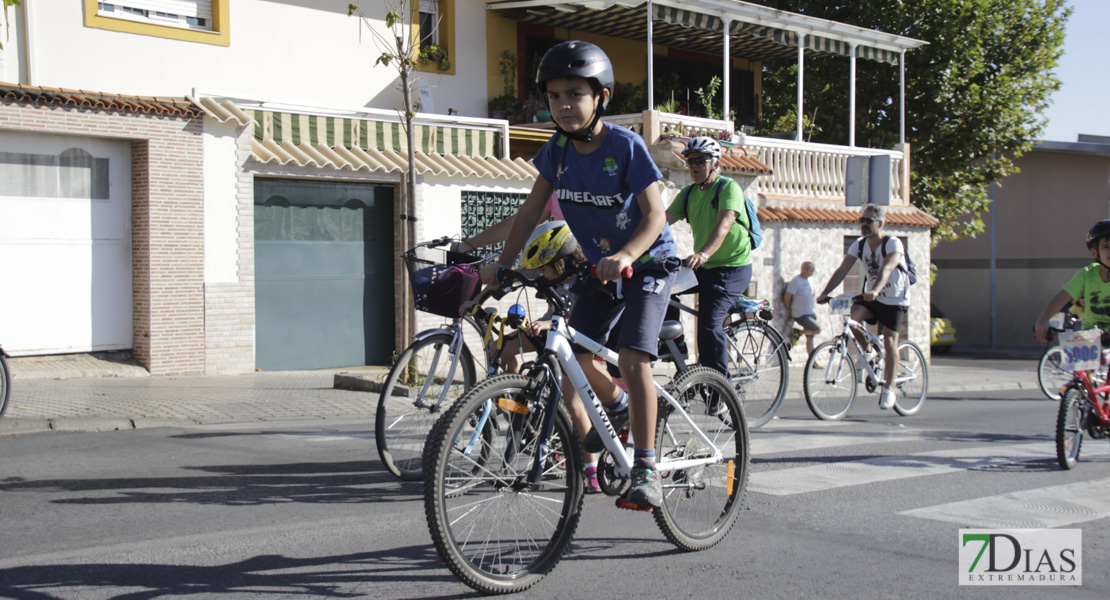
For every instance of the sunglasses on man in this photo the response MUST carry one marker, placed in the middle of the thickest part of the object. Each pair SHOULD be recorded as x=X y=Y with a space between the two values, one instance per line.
x=868 y=220
x=696 y=162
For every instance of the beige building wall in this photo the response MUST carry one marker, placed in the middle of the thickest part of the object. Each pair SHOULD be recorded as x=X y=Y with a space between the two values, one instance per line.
x=1040 y=221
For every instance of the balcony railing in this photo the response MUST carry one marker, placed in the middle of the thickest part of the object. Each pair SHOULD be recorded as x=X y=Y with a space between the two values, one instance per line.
x=815 y=170
x=799 y=169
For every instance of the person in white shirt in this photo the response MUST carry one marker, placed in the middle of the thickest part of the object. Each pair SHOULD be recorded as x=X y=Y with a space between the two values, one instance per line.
x=800 y=307
x=886 y=296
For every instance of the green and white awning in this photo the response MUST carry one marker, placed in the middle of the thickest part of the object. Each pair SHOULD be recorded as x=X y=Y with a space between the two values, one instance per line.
x=368 y=134
x=353 y=144
x=755 y=32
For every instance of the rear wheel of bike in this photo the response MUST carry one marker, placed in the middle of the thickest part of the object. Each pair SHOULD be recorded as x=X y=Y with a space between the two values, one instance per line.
x=829 y=380
x=701 y=504
x=504 y=533
x=1069 y=427
x=759 y=368
x=5 y=384
x=1051 y=374
x=911 y=382
x=416 y=392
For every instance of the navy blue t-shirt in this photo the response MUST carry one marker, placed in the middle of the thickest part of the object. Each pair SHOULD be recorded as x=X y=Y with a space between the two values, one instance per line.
x=597 y=192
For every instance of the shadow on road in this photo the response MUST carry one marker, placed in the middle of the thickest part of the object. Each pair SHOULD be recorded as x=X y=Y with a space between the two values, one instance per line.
x=357 y=575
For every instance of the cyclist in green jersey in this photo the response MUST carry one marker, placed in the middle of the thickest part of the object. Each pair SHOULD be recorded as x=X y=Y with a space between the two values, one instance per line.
x=1090 y=286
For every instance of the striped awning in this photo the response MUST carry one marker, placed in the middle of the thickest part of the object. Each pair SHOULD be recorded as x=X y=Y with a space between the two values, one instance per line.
x=672 y=27
x=367 y=134
x=305 y=140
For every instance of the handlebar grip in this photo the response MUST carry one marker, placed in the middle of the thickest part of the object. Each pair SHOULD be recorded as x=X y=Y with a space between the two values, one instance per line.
x=626 y=273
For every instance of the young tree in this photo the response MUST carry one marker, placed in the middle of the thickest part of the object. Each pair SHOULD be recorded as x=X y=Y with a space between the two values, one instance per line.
x=975 y=95
x=402 y=53
x=6 y=17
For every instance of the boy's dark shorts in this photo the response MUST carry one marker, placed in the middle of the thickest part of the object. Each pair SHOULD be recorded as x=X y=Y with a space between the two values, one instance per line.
x=890 y=316
x=641 y=310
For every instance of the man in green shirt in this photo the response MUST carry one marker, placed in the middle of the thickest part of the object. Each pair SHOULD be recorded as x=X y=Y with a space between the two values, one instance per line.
x=715 y=208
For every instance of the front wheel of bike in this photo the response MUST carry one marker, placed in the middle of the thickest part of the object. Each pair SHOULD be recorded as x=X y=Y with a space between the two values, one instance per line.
x=702 y=503
x=505 y=532
x=829 y=381
x=759 y=368
x=1051 y=374
x=1069 y=427
x=420 y=386
x=911 y=382
x=5 y=383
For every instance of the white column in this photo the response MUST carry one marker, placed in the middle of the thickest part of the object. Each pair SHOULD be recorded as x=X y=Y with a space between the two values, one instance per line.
x=801 y=79
x=728 y=64
x=650 y=62
x=852 y=97
x=902 y=98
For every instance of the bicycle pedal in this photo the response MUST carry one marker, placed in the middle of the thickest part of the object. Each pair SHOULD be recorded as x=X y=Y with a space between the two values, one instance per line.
x=624 y=503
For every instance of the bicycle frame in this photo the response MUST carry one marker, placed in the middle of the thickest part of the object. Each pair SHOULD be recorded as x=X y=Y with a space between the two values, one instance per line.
x=1093 y=394
x=876 y=342
x=559 y=339
x=681 y=365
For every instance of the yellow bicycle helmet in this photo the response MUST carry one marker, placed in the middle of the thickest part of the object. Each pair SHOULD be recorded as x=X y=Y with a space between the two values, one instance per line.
x=549 y=242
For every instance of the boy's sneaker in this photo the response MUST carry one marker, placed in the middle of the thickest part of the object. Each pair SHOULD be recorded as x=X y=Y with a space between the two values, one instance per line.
x=593 y=441
x=886 y=399
x=647 y=489
x=592 y=486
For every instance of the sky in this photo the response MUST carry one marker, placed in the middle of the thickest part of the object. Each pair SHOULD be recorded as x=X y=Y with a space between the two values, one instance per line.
x=1082 y=105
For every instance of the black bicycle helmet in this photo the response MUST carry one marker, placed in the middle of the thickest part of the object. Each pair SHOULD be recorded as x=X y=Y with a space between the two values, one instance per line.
x=1100 y=230
x=576 y=59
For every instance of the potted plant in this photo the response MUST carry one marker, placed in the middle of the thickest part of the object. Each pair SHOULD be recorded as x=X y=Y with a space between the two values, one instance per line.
x=507 y=104
x=431 y=53
x=505 y=107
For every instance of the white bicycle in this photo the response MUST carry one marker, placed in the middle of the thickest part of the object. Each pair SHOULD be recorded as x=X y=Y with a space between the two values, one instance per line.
x=830 y=377
x=504 y=473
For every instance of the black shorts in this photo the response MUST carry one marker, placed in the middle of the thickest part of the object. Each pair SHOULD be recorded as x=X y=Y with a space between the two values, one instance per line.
x=890 y=316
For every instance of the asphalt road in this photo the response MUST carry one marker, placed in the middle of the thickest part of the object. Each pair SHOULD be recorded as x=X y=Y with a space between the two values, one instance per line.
x=867 y=508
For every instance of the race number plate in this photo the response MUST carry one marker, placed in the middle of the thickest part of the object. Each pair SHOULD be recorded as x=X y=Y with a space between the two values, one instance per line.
x=841 y=305
x=1082 y=349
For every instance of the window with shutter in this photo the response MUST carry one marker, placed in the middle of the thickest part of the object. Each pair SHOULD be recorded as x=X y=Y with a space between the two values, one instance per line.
x=203 y=21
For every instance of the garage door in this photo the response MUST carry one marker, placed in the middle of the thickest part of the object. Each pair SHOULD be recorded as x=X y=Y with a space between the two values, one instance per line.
x=65 y=244
x=323 y=274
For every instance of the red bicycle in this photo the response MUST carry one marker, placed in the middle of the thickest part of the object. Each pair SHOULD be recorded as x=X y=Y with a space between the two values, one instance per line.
x=1084 y=408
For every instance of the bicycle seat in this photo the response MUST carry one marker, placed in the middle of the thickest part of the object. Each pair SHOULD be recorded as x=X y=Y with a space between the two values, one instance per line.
x=670 y=330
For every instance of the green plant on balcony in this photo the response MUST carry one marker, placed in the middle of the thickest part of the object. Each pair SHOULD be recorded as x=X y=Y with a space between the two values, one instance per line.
x=431 y=53
x=507 y=104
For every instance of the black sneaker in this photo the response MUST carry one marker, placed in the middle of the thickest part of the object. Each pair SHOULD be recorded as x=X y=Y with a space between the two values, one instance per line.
x=593 y=441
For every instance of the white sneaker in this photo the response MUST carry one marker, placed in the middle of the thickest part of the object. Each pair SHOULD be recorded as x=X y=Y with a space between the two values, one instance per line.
x=886 y=399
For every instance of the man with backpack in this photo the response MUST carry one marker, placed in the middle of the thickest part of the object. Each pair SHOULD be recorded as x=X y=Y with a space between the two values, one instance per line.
x=726 y=230
x=886 y=296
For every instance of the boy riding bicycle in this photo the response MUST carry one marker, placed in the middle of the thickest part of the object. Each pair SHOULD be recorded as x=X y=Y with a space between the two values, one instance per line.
x=886 y=299
x=1089 y=287
x=606 y=185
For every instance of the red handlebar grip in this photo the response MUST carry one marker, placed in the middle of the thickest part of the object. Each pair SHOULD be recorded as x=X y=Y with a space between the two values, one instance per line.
x=626 y=272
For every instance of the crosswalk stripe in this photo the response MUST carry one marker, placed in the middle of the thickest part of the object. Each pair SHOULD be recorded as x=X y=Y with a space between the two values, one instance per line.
x=786 y=482
x=793 y=443
x=1047 y=507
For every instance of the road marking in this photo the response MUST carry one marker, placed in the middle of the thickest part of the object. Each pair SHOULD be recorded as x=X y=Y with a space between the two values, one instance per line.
x=1054 y=506
x=829 y=439
x=786 y=482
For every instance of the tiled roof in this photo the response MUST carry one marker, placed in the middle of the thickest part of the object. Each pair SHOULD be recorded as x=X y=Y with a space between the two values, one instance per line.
x=732 y=159
x=907 y=216
x=86 y=99
x=388 y=161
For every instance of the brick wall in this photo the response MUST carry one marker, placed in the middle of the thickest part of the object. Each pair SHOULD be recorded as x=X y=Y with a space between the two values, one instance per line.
x=167 y=222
